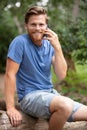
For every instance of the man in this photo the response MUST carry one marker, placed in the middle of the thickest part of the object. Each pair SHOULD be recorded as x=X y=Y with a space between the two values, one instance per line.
x=28 y=67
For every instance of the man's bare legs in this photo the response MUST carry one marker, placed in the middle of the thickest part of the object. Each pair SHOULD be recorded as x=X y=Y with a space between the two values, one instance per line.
x=61 y=108
x=80 y=114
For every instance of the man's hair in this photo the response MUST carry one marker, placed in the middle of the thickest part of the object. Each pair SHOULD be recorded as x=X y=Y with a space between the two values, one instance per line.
x=35 y=10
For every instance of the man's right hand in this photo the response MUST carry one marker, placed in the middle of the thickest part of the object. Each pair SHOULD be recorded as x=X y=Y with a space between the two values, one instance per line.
x=15 y=116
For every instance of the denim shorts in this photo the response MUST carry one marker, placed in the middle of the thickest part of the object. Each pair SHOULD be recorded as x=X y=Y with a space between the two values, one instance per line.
x=37 y=104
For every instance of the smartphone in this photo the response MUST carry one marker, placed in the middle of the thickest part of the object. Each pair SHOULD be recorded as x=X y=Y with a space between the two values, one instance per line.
x=45 y=35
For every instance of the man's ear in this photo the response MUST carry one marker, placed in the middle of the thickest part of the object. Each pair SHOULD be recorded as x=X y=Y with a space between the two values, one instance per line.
x=25 y=26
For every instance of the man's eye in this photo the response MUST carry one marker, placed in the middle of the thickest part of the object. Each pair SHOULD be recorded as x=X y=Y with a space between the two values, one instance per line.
x=41 y=24
x=33 y=25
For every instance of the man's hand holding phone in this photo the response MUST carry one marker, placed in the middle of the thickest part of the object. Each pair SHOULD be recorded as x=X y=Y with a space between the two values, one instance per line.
x=52 y=37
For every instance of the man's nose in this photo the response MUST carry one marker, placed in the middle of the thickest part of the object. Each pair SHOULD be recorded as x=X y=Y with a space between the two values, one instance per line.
x=37 y=27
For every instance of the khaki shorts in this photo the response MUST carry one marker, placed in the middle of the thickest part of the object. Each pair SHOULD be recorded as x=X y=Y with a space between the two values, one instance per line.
x=37 y=104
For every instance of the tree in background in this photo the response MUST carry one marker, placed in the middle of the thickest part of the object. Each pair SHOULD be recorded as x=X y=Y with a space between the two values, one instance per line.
x=69 y=20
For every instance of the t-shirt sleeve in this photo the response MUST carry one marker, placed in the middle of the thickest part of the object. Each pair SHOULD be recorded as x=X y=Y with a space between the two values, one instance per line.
x=15 y=51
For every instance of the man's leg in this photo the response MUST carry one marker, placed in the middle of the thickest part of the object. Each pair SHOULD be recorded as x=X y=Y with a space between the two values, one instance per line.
x=61 y=108
x=80 y=114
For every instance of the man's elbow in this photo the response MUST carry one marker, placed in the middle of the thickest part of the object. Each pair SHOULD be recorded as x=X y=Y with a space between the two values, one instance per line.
x=62 y=76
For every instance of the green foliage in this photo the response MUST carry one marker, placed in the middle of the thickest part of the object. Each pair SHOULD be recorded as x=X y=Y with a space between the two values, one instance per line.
x=80 y=54
x=75 y=44
x=72 y=34
x=7 y=31
x=63 y=2
x=76 y=83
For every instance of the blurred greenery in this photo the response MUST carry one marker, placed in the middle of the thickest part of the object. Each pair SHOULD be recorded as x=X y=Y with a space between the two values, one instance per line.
x=8 y=30
x=75 y=83
x=67 y=18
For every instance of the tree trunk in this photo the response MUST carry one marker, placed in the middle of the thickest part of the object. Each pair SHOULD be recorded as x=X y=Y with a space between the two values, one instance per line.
x=20 y=30
x=70 y=64
x=76 y=9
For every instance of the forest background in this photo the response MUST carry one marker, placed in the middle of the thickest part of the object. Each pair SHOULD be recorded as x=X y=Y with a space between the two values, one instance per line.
x=68 y=18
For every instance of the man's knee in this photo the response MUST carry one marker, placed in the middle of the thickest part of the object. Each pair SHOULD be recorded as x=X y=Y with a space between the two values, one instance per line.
x=61 y=105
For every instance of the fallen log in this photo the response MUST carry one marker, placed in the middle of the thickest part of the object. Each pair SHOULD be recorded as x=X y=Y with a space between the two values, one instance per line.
x=30 y=123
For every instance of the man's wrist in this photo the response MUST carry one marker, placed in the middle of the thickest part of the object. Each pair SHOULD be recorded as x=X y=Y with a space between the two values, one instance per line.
x=10 y=107
x=58 y=49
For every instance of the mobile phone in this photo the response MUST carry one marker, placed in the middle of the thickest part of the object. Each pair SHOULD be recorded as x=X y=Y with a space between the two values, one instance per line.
x=45 y=35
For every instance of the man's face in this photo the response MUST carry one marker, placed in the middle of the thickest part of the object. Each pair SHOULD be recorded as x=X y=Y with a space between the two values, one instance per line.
x=36 y=27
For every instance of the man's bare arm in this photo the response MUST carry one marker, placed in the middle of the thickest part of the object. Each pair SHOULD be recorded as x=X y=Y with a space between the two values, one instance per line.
x=10 y=87
x=59 y=64
x=58 y=60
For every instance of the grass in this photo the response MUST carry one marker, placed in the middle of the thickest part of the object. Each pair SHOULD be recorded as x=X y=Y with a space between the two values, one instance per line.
x=76 y=78
x=75 y=83
x=82 y=73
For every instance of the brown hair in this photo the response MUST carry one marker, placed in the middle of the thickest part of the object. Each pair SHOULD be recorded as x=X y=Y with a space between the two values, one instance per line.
x=35 y=10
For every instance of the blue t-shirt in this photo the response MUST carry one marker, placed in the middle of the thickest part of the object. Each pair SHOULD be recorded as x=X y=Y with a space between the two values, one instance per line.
x=35 y=64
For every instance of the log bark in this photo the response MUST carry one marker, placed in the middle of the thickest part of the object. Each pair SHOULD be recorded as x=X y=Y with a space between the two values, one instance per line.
x=30 y=123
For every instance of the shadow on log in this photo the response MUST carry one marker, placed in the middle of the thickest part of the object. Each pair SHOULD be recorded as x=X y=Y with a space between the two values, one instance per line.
x=30 y=123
